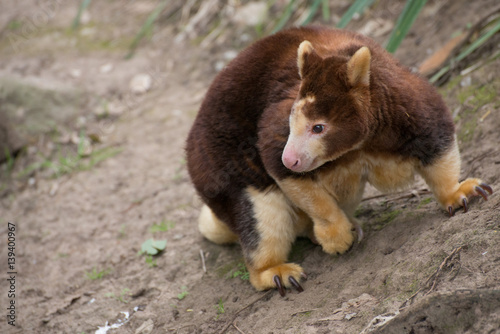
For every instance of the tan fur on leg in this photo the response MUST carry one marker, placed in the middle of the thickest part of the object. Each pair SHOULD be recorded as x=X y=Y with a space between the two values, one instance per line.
x=332 y=228
x=275 y=218
x=213 y=229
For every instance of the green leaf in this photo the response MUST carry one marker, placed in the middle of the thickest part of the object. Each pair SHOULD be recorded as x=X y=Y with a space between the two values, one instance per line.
x=183 y=293
x=357 y=7
x=404 y=23
x=153 y=247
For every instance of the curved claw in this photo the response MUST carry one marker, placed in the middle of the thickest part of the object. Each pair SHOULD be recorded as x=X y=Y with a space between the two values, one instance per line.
x=359 y=231
x=486 y=187
x=295 y=284
x=466 y=208
x=277 y=281
x=303 y=275
x=481 y=192
x=451 y=211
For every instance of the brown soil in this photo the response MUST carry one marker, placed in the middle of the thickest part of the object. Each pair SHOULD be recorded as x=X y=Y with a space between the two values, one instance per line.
x=417 y=270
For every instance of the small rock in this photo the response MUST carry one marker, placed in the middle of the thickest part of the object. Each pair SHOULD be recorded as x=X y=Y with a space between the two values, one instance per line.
x=81 y=121
x=31 y=181
x=54 y=189
x=32 y=150
x=245 y=38
x=466 y=82
x=115 y=108
x=141 y=83
x=106 y=68
x=86 y=148
x=85 y=18
x=75 y=73
x=20 y=112
x=230 y=54
x=64 y=138
x=349 y=316
x=75 y=138
x=219 y=65
x=146 y=327
x=84 y=144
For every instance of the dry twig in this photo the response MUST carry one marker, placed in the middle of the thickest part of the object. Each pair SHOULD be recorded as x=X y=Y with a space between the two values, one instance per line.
x=403 y=195
x=203 y=261
x=231 y=322
x=239 y=330
x=434 y=277
x=443 y=264
x=148 y=196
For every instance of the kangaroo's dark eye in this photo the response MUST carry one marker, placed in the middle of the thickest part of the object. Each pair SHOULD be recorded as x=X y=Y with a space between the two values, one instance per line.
x=318 y=128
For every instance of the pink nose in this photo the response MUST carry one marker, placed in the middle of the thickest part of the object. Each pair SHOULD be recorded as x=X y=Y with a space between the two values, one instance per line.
x=290 y=159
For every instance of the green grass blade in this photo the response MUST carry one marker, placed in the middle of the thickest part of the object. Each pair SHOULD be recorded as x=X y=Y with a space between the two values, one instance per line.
x=326 y=10
x=480 y=41
x=83 y=6
x=357 y=7
x=471 y=48
x=312 y=11
x=404 y=23
x=285 y=17
x=81 y=144
x=9 y=160
x=146 y=27
x=101 y=155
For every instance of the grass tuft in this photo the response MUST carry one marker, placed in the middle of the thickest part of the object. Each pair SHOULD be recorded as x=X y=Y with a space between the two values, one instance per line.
x=95 y=275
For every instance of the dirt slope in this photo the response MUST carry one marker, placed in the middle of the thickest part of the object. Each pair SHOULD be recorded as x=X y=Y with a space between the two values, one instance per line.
x=417 y=271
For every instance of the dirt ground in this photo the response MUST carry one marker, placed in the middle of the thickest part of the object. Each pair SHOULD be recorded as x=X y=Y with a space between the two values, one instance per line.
x=79 y=224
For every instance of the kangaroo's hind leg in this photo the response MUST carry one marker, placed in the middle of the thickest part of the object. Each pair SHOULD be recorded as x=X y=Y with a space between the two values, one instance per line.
x=214 y=229
x=272 y=220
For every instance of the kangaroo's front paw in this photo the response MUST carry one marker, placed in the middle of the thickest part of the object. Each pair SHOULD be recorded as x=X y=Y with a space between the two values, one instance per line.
x=467 y=189
x=286 y=275
x=335 y=237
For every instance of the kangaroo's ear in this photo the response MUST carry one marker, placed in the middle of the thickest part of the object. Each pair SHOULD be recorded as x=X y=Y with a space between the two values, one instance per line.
x=358 y=67
x=303 y=53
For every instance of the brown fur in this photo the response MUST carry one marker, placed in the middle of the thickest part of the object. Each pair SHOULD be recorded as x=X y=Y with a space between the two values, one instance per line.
x=262 y=165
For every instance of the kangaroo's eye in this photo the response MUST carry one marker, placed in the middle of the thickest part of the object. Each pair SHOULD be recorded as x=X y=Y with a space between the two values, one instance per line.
x=318 y=128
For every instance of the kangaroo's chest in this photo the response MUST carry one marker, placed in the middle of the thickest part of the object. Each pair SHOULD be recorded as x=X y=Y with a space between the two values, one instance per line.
x=389 y=173
x=346 y=181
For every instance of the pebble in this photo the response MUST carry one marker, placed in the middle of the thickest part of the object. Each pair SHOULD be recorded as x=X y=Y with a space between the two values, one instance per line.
x=106 y=68
x=141 y=83
x=466 y=82
x=75 y=73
